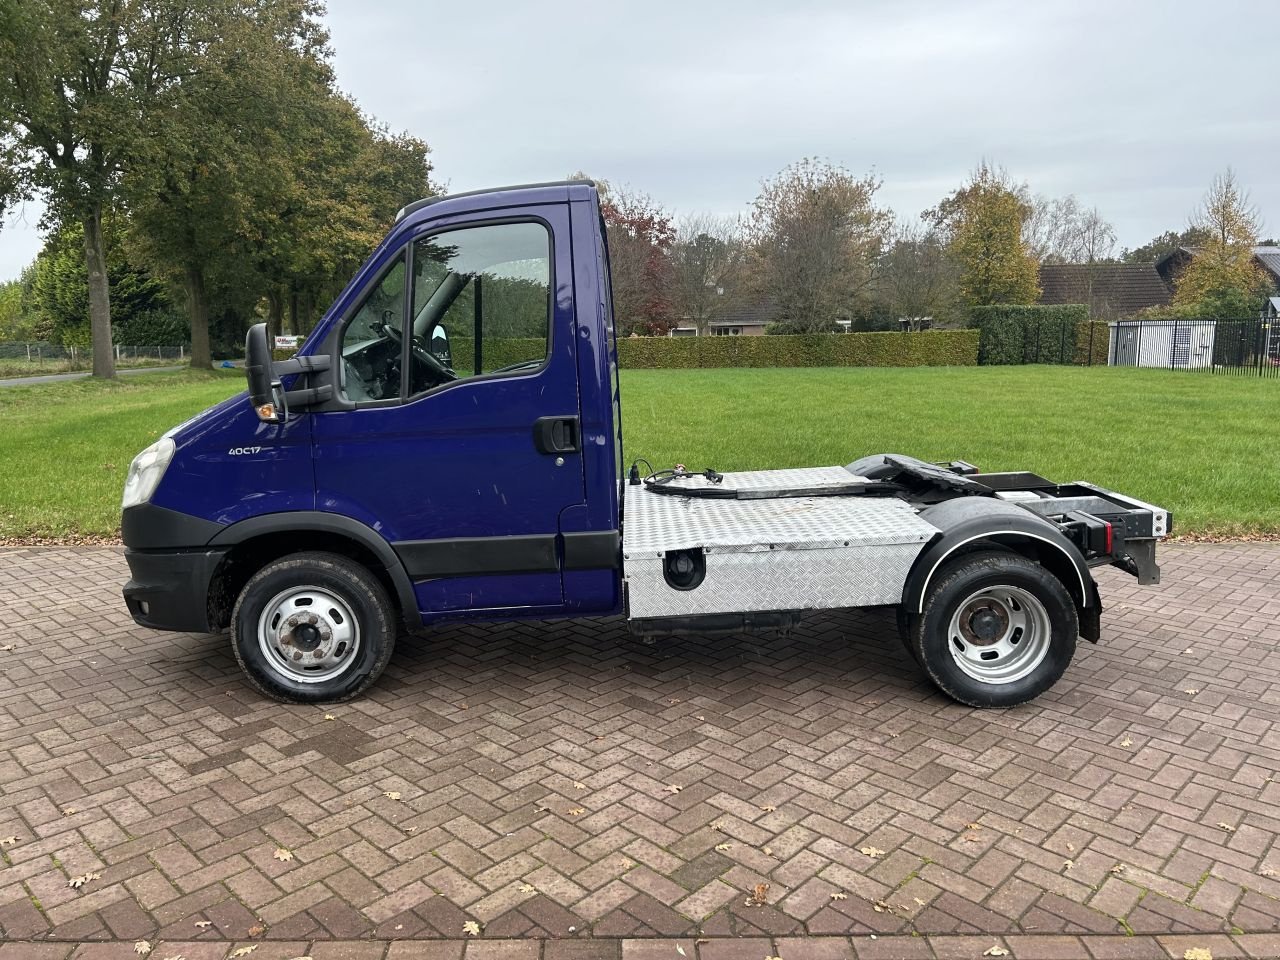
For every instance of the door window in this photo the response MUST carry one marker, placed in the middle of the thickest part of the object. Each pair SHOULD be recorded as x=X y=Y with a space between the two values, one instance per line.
x=371 y=341
x=481 y=303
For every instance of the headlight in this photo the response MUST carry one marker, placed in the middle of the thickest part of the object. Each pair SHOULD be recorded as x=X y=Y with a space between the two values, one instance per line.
x=145 y=472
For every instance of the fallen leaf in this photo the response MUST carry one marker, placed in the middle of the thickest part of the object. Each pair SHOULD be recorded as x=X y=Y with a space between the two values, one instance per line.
x=204 y=924
x=142 y=947
x=680 y=950
x=772 y=958
x=717 y=825
x=1118 y=869
x=471 y=928
x=257 y=930
x=243 y=951
x=330 y=716
x=176 y=956
x=75 y=883
x=8 y=841
x=1068 y=864
x=760 y=894
x=392 y=794
x=672 y=788
x=973 y=826
x=1126 y=742
x=880 y=906
x=768 y=808
x=1188 y=650
x=1197 y=953
x=767 y=851
x=995 y=950
x=918 y=901
x=971 y=838
x=1267 y=872
x=1227 y=827
x=577 y=812
x=7 y=647
x=1071 y=848
x=871 y=852
x=839 y=895
x=528 y=888
x=579 y=786
x=283 y=855
x=1192 y=690
x=69 y=811
x=723 y=846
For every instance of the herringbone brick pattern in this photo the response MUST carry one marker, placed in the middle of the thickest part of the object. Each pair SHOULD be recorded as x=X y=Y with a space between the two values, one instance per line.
x=524 y=777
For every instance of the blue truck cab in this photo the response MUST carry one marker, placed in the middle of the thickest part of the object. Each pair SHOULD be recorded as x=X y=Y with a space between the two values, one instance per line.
x=447 y=445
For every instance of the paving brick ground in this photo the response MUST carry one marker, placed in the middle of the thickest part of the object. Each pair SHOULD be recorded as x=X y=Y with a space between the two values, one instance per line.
x=1132 y=811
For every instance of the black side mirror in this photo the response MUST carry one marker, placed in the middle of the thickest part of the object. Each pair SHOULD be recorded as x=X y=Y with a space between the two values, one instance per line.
x=264 y=391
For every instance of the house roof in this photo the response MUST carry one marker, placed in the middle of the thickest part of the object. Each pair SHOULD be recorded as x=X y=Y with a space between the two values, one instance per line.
x=1120 y=289
x=1267 y=255
x=747 y=313
x=1268 y=258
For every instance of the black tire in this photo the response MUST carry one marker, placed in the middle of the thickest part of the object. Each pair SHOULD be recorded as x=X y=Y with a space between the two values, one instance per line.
x=990 y=585
x=360 y=611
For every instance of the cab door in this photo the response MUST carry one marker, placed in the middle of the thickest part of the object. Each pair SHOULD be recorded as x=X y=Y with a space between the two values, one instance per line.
x=463 y=458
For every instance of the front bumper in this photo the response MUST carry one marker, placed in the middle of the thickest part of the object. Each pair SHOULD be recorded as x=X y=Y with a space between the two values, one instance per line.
x=169 y=589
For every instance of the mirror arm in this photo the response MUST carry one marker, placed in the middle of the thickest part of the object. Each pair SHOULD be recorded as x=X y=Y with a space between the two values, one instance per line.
x=314 y=364
x=308 y=396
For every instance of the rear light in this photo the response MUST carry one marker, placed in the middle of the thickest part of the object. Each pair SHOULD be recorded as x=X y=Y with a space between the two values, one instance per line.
x=1109 y=539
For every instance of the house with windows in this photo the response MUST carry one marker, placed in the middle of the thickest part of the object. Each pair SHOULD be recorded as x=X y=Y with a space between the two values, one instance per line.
x=746 y=320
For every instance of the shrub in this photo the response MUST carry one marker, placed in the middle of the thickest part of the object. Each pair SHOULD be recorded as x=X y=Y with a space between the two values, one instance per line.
x=929 y=349
x=1028 y=333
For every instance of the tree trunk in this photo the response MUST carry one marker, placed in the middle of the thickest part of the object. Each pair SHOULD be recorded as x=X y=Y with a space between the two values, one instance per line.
x=95 y=259
x=275 y=313
x=198 y=306
x=293 y=309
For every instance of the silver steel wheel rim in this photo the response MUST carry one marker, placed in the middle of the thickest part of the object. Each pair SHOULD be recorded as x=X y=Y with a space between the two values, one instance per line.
x=308 y=634
x=999 y=635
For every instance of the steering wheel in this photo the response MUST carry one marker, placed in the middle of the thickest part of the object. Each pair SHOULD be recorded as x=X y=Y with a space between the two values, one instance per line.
x=428 y=359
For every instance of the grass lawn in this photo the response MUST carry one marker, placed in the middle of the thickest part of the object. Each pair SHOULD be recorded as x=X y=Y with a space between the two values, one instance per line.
x=1206 y=447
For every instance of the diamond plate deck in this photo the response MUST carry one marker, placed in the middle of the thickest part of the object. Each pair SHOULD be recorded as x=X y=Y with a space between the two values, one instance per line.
x=789 y=553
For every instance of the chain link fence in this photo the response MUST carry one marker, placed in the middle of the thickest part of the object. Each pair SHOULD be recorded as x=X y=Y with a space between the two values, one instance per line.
x=39 y=357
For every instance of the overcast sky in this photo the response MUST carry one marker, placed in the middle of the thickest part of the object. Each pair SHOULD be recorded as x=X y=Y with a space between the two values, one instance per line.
x=1132 y=106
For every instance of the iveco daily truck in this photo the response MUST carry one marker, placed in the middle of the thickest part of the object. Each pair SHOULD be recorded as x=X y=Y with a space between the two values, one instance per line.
x=447 y=445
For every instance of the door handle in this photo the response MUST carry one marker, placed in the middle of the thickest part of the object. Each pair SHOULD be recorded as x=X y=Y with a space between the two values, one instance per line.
x=556 y=434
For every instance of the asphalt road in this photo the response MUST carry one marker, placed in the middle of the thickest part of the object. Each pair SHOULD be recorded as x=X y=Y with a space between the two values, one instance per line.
x=57 y=377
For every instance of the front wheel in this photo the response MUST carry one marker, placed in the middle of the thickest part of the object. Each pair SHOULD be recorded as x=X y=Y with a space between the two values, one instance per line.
x=313 y=628
x=997 y=630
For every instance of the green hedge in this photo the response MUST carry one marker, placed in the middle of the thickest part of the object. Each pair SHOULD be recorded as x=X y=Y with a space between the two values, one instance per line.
x=1028 y=333
x=934 y=348
x=1092 y=336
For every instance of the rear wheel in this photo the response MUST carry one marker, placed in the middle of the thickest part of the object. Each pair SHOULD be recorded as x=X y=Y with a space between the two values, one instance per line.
x=997 y=630
x=313 y=628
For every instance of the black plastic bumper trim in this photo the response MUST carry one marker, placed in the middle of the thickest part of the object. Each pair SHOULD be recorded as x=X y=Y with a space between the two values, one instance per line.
x=169 y=589
x=148 y=527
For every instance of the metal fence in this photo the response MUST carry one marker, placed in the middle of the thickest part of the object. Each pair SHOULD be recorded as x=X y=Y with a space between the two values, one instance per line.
x=41 y=354
x=1233 y=347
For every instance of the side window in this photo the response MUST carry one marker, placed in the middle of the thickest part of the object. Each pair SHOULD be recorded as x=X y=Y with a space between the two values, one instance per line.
x=371 y=340
x=481 y=303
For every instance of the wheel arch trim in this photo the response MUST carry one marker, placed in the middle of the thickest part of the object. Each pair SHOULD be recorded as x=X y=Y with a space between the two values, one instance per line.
x=914 y=592
x=317 y=521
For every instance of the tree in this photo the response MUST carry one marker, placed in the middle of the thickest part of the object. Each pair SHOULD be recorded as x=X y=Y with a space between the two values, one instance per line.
x=1060 y=230
x=816 y=237
x=60 y=284
x=227 y=124
x=1223 y=279
x=1159 y=247
x=918 y=280
x=83 y=86
x=707 y=269
x=982 y=223
x=640 y=240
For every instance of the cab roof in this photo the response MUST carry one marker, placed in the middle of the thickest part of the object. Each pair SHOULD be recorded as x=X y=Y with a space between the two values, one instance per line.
x=521 y=194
